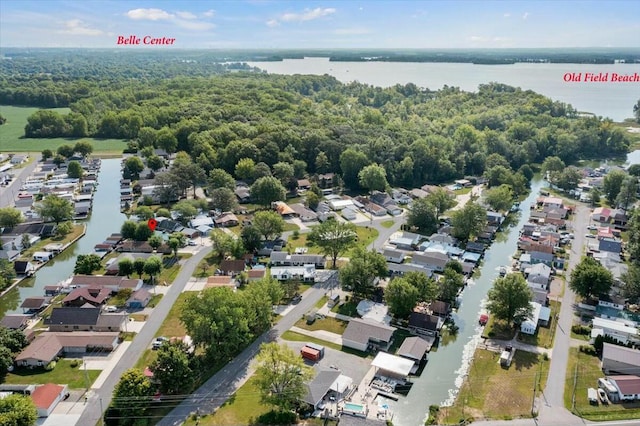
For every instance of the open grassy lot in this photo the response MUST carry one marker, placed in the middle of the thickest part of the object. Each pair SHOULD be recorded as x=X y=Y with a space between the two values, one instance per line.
x=12 y=135
x=242 y=408
x=496 y=329
x=63 y=373
x=493 y=392
x=387 y=223
x=349 y=308
x=328 y=324
x=586 y=376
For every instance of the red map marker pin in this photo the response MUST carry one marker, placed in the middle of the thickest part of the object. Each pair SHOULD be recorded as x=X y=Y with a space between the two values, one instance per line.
x=152 y=223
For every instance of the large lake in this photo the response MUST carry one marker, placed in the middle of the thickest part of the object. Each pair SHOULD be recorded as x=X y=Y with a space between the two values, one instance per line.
x=607 y=99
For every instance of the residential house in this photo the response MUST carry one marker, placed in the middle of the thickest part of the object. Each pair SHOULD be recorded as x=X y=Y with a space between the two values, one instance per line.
x=201 y=220
x=415 y=348
x=49 y=345
x=95 y=296
x=18 y=159
x=383 y=199
x=540 y=316
x=465 y=183
x=619 y=218
x=303 y=185
x=539 y=257
x=84 y=319
x=220 y=281
x=364 y=334
x=231 y=267
x=283 y=209
x=399 y=269
x=24 y=268
x=432 y=260
x=113 y=264
x=394 y=256
x=338 y=204
x=475 y=247
x=628 y=387
x=495 y=218
x=470 y=257
x=610 y=245
x=326 y=180
x=169 y=226
x=35 y=304
x=256 y=274
x=374 y=209
x=349 y=213
x=620 y=359
x=440 y=308
x=418 y=193
x=243 y=193
x=15 y=321
x=443 y=239
x=39 y=229
x=282 y=258
x=305 y=273
x=539 y=273
x=319 y=387
x=405 y=240
x=305 y=214
x=46 y=398
x=601 y=214
x=114 y=284
x=424 y=323
x=139 y=299
x=619 y=330
x=226 y=220
x=552 y=202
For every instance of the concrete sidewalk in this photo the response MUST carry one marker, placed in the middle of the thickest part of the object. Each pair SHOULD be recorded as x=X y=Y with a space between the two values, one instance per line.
x=320 y=334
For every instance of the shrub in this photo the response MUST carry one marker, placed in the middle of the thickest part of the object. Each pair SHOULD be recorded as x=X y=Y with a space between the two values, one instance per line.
x=545 y=356
x=50 y=366
x=74 y=363
x=588 y=349
x=277 y=418
x=580 y=329
x=433 y=415
x=295 y=235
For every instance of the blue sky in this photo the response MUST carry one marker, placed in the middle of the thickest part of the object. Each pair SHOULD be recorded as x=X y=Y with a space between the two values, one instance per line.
x=333 y=24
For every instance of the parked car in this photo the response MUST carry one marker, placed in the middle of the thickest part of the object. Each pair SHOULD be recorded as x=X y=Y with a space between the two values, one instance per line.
x=157 y=343
x=192 y=242
x=589 y=236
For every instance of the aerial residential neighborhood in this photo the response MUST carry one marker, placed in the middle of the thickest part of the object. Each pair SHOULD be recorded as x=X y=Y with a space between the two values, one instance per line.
x=340 y=235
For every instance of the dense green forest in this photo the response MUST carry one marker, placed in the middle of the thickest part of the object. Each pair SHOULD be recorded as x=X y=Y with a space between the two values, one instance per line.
x=221 y=114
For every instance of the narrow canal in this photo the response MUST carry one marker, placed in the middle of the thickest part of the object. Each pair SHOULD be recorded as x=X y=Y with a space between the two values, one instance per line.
x=105 y=219
x=448 y=365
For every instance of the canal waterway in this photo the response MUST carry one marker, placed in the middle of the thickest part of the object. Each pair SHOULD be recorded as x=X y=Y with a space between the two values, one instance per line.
x=105 y=219
x=447 y=366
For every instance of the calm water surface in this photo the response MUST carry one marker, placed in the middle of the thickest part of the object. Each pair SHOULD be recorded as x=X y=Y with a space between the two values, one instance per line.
x=105 y=219
x=607 y=99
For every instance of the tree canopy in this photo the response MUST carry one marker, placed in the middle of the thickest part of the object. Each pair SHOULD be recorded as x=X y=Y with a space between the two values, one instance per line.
x=360 y=273
x=509 y=299
x=10 y=217
x=334 y=238
x=268 y=189
x=589 y=278
x=55 y=209
x=423 y=215
x=468 y=221
x=269 y=223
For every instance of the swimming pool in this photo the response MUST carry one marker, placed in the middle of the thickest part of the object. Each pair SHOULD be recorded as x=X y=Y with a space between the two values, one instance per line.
x=356 y=408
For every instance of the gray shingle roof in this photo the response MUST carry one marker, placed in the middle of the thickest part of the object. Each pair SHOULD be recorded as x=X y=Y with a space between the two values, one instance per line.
x=360 y=330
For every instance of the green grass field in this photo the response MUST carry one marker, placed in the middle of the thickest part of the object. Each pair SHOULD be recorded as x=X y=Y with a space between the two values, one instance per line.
x=12 y=135
x=75 y=377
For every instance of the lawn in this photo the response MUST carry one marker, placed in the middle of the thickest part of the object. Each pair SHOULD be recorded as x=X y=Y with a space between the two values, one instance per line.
x=365 y=236
x=167 y=275
x=12 y=135
x=242 y=408
x=496 y=329
x=75 y=233
x=493 y=392
x=75 y=377
x=387 y=223
x=328 y=324
x=172 y=326
x=297 y=337
x=301 y=241
x=348 y=308
x=586 y=376
x=207 y=266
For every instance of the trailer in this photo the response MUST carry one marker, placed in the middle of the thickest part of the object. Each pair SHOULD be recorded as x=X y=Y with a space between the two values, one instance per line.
x=592 y=395
x=317 y=347
x=310 y=354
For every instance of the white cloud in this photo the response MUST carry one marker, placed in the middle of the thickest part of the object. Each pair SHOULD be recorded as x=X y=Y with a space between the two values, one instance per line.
x=209 y=13
x=272 y=23
x=149 y=14
x=77 y=27
x=506 y=15
x=307 y=15
x=477 y=38
x=194 y=25
x=525 y=16
x=186 y=15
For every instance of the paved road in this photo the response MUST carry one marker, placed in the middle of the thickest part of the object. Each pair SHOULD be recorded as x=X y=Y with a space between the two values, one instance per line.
x=100 y=398
x=225 y=382
x=8 y=193
x=551 y=404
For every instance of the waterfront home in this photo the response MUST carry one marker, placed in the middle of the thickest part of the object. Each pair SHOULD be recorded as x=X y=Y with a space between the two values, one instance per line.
x=392 y=366
x=431 y=260
x=363 y=334
x=475 y=247
x=50 y=345
x=415 y=348
x=114 y=284
x=84 y=319
x=552 y=202
x=495 y=218
x=610 y=244
x=35 y=304
x=95 y=296
x=24 y=268
x=620 y=359
x=15 y=321
x=399 y=269
x=318 y=388
x=538 y=273
x=440 y=308
x=424 y=323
